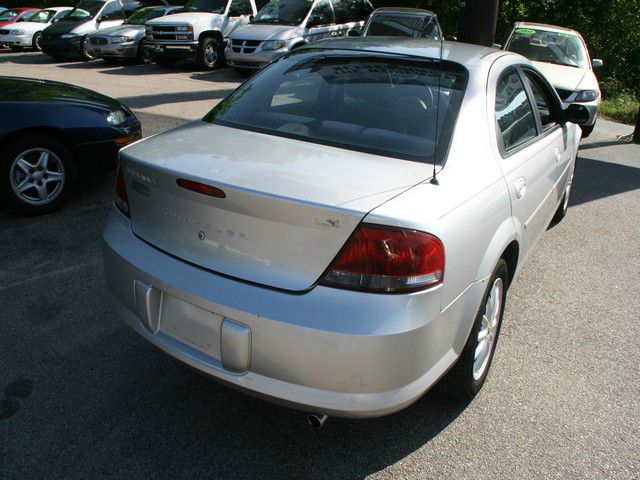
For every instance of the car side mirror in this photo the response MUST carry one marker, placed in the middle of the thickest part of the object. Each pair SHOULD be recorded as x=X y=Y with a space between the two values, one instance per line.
x=576 y=113
x=100 y=19
x=597 y=63
x=353 y=33
x=251 y=18
x=451 y=38
x=497 y=45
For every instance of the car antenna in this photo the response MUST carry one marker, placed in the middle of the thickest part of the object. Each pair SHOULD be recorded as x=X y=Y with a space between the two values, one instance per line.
x=434 y=180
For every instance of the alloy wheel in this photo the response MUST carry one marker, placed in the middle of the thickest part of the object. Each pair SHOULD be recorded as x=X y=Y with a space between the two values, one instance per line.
x=488 y=329
x=210 y=55
x=37 y=176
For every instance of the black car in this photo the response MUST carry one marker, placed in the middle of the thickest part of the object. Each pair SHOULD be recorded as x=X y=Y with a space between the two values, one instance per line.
x=50 y=134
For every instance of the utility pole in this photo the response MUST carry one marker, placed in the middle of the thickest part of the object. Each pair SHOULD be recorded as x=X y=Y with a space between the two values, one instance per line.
x=636 y=132
x=478 y=20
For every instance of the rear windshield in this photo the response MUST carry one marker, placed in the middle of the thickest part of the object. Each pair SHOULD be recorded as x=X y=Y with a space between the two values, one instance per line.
x=551 y=47
x=208 y=6
x=377 y=104
x=144 y=15
x=84 y=10
x=402 y=25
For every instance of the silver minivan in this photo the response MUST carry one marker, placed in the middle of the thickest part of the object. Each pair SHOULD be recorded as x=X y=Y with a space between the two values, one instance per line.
x=284 y=25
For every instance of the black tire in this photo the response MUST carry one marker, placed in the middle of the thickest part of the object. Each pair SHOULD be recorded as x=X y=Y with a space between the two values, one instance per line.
x=145 y=55
x=37 y=42
x=210 y=53
x=15 y=49
x=586 y=131
x=165 y=61
x=14 y=149
x=460 y=383
x=84 y=52
x=561 y=212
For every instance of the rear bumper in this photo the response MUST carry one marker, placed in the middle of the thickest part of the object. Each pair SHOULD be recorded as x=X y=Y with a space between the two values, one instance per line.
x=329 y=351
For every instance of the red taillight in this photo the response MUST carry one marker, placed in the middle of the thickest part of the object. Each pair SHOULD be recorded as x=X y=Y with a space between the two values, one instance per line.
x=121 y=201
x=202 y=188
x=386 y=259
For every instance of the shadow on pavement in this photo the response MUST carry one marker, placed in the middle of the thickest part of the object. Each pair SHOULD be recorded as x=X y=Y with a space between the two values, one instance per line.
x=144 y=101
x=595 y=179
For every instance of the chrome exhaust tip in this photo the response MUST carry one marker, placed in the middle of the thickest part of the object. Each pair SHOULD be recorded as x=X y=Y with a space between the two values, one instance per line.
x=316 y=421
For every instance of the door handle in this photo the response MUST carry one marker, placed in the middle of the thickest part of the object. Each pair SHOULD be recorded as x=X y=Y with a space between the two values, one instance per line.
x=521 y=187
x=334 y=34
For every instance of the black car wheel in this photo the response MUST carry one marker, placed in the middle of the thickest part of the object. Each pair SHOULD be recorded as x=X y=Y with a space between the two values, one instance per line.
x=84 y=50
x=145 y=55
x=37 y=41
x=467 y=376
x=210 y=54
x=38 y=172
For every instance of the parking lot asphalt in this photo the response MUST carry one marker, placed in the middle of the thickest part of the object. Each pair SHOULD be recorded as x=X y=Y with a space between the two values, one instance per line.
x=82 y=396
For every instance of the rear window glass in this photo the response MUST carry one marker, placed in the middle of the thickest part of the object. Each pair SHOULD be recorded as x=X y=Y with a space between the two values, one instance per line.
x=402 y=108
x=399 y=25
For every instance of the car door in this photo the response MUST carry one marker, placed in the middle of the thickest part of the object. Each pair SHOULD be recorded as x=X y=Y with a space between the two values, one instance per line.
x=321 y=21
x=238 y=15
x=527 y=166
x=556 y=135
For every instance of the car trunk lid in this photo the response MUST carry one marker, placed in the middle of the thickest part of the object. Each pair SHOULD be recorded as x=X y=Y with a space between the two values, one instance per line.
x=289 y=205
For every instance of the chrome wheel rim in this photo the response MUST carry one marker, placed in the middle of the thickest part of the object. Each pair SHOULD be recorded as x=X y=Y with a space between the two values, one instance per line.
x=38 y=41
x=85 y=50
x=488 y=329
x=210 y=55
x=567 y=192
x=37 y=176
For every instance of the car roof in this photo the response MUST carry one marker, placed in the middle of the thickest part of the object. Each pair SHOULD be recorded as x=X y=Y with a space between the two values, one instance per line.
x=544 y=26
x=403 y=10
x=471 y=56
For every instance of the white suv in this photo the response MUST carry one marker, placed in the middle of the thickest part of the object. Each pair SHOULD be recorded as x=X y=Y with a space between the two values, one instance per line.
x=199 y=32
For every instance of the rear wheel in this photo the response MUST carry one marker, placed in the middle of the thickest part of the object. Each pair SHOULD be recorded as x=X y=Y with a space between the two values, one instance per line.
x=564 y=204
x=37 y=41
x=466 y=378
x=37 y=172
x=210 y=54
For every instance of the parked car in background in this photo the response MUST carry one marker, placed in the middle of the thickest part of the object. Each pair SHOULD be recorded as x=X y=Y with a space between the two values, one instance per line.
x=14 y=15
x=403 y=22
x=563 y=57
x=67 y=38
x=199 y=32
x=28 y=34
x=127 y=41
x=50 y=134
x=284 y=25
x=341 y=231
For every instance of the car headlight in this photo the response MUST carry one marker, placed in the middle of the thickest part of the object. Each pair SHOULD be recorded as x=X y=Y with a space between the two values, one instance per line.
x=587 y=96
x=70 y=35
x=273 y=45
x=16 y=32
x=121 y=39
x=115 y=118
x=184 y=28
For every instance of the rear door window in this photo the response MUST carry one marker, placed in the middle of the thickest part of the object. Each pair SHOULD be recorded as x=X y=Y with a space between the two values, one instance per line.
x=348 y=11
x=545 y=101
x=322 y=14
x=514 y=114
x=377 y=104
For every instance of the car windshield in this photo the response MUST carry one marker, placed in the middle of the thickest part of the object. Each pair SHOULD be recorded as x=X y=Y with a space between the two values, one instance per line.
x=84 y=10
x=552 y=47
x=211 y=6
x=402 y=25
x=42 y=16
x=145 y=14
x=398 y=107
x=8 y=15
x=284 y=12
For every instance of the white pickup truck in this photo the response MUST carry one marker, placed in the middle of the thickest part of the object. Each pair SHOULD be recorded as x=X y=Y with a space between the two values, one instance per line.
x=199 y=31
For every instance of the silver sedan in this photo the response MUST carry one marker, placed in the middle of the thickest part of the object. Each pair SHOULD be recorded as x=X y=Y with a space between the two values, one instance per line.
x=339 y=234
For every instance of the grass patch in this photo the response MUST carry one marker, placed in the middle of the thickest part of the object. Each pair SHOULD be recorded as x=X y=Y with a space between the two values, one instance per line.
x=621 y=108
